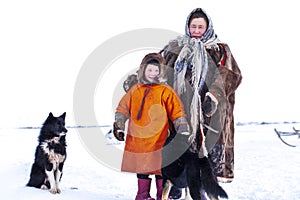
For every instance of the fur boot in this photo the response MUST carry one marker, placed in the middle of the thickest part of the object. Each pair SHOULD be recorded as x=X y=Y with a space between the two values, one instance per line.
x=144 y=189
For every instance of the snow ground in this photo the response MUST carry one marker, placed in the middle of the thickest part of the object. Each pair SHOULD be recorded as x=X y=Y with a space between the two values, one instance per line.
x=265 y=168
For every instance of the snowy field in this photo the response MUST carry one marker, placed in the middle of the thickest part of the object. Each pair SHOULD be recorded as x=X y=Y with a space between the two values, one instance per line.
x=265 y=168
x=45 y=45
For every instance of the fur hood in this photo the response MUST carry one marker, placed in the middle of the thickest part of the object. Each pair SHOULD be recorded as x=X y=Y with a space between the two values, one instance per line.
x=152 y=56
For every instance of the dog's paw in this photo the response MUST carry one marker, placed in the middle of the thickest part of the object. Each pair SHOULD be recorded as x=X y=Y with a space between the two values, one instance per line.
x=55 y=191
x=44 y=187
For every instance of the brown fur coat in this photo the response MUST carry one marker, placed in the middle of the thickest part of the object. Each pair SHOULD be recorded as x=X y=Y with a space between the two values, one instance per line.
x=223 y=78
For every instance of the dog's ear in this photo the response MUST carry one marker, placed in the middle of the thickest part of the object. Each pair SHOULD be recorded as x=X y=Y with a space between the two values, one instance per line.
x=63 y=115
x=50 y=115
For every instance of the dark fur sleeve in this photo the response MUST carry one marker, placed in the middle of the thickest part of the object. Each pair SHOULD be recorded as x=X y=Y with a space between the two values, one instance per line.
x=129 y=82
x=228 y=67
x=170 y=52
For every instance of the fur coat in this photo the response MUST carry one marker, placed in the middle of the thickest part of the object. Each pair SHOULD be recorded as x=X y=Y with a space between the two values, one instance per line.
x=220 y=77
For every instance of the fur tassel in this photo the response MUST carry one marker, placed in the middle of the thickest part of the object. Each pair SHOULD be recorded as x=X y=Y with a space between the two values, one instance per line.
x=193 y=56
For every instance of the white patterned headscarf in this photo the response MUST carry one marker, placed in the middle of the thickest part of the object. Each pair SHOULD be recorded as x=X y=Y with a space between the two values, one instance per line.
x=209 y=34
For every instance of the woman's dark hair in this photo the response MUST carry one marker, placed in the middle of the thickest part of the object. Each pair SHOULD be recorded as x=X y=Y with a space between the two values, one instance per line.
x=198 y=14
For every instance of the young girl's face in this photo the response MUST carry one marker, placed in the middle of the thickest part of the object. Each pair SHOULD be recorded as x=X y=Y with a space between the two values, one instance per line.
x=197 y=27
x=151 y=73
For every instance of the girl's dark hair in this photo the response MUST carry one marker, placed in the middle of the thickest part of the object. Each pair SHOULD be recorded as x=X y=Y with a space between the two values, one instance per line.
x=153 y=62
x=198 y=14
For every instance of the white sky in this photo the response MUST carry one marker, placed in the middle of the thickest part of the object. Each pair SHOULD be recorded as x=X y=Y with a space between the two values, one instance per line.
x=43 y=45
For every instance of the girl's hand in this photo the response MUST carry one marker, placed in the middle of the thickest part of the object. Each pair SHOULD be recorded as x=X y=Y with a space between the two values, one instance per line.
x=118 y=133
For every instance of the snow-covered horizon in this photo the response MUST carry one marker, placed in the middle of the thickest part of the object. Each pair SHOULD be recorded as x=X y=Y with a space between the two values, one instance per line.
x=78 y=126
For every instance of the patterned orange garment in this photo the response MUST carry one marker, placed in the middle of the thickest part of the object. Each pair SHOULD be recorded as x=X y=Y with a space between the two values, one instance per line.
x=146 y=136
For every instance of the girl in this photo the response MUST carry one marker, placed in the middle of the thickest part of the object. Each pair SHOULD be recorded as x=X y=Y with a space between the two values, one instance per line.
x=148 y=105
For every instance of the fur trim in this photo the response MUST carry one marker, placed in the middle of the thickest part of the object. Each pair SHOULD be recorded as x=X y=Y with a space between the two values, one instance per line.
x=152 y=56
x=215 y=102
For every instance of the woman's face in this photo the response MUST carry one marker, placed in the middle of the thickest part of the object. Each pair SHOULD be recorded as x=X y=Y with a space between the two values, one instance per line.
x=151 y=73
x=197 y=27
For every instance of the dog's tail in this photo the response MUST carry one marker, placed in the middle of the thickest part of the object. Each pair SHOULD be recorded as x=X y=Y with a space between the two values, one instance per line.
x=209 y=182
x=214 y=190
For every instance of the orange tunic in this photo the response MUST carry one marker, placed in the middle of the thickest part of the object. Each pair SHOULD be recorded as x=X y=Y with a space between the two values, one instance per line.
x=147 y=135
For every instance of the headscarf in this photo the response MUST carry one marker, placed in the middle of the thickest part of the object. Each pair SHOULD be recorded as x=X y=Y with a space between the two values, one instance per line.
x=209 y=34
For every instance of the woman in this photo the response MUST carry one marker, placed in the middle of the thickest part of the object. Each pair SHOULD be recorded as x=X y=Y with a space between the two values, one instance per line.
x=204 y=73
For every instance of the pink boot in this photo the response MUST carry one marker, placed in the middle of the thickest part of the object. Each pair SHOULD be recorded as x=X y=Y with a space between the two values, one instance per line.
x=143 y=192
x=159 y=188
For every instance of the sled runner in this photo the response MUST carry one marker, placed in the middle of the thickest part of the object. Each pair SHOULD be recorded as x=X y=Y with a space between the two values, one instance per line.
x=281 y=134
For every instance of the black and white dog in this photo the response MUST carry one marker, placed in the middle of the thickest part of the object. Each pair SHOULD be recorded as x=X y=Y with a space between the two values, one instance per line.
x=50 y=155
